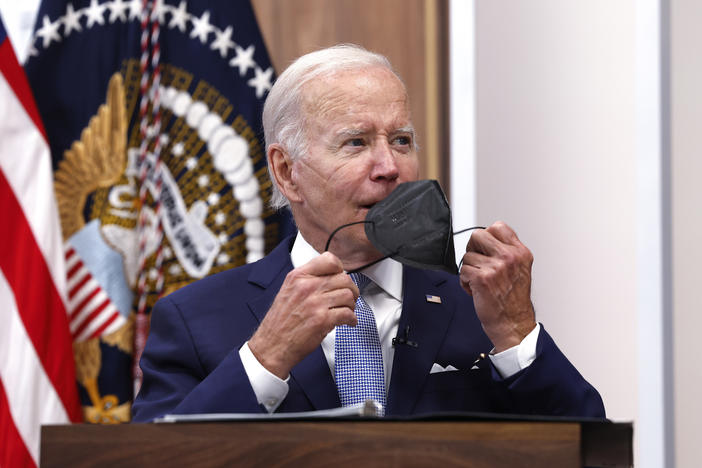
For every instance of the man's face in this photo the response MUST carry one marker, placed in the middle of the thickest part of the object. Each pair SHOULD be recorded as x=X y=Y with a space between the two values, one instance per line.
x=361 y=146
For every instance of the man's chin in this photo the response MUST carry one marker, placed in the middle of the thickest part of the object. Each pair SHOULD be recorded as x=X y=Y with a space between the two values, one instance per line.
x=364 y=255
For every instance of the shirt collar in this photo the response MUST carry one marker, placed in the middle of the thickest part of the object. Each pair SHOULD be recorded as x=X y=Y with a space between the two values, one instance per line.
x=387 y=273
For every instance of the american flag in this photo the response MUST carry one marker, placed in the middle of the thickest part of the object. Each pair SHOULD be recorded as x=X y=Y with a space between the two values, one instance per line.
x=37 y=377
x=433 y=299
x=92 y=313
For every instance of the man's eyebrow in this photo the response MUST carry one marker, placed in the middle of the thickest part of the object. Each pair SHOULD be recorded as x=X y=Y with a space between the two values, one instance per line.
x=351 y=132
x=359 y=131
x=408 y=129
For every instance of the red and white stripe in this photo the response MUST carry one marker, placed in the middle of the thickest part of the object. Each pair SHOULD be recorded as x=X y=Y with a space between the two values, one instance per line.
x=37 y=374
x=91 y=312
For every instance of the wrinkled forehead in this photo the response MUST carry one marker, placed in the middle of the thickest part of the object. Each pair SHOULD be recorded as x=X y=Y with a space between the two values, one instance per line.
x=347 y=90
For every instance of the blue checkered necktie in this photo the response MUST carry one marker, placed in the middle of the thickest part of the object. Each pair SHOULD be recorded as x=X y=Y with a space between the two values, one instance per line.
x=358 y=359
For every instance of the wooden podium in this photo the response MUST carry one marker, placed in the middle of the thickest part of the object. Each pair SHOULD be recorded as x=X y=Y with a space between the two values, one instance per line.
x=339 y=443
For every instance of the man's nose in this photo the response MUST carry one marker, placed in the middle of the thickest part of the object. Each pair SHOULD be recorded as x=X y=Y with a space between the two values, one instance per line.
x=384 y=163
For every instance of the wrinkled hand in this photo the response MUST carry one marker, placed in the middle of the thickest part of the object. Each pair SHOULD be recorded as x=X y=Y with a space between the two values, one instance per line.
x=496 y=271
x=314 y=299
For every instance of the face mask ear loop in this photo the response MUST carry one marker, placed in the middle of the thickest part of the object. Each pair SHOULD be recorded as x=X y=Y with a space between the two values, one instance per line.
x=371 y=263
x=326 y=247
x=468 y=229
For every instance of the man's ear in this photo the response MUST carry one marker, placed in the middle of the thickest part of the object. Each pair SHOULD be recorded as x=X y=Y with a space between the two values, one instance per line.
x=280 y=164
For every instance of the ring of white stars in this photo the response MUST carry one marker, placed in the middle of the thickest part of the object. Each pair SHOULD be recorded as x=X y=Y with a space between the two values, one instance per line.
x=222 y=259
x=178 y=149
x=202 y=30
x=191 y=163
x=213 y=198
x=237 y=56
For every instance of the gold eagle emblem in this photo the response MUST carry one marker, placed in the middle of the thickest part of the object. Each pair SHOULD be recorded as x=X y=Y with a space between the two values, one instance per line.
x=97 y=160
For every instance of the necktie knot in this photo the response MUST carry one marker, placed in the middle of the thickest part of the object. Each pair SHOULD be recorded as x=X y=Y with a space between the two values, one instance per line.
x=360 y=280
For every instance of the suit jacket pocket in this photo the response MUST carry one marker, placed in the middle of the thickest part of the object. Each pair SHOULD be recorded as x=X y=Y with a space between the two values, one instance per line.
x=462 y=390
x=447 y=380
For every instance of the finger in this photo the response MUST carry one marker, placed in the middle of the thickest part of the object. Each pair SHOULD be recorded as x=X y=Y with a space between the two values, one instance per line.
x=325 y=264
x=476 y=260
x=476 y=266
x=340 y=298
x=343 y=316
x=484 y=242
x=505 y=234
x=465 y=276
x=469 y=272
x=340 y=281
x=512 y=249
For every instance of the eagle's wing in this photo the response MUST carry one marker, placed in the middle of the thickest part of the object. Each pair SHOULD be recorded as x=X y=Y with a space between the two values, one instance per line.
x=96 y=160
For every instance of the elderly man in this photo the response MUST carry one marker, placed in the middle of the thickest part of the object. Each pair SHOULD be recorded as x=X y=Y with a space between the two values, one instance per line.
x=295 y=332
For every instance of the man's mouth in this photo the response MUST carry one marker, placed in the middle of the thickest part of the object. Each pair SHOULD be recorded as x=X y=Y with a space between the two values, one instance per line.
x=368 y=206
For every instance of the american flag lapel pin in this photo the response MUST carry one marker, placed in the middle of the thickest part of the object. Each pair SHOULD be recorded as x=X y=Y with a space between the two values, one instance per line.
x=433 y=299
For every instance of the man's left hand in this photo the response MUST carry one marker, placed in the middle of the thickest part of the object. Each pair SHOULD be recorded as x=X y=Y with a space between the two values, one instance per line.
x=496 y=271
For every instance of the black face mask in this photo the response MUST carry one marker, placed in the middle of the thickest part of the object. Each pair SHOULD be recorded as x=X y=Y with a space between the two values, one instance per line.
x=413 y=226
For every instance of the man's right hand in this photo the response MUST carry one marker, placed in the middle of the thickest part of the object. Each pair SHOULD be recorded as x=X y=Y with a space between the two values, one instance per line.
x=314 y=299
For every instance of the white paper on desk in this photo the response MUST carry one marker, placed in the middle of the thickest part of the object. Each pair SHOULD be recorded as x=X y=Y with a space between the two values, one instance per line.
x=369 y=409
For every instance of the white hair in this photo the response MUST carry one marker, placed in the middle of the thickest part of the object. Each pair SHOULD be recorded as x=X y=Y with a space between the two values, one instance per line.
x=283 y=119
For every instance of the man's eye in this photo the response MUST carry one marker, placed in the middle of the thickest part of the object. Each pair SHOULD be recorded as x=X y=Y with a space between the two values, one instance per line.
x=403 y=140
x=355 y=142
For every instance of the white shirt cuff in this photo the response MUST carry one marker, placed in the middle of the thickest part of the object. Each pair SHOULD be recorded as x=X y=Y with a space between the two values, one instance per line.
x=270 y=390
x=516 y=358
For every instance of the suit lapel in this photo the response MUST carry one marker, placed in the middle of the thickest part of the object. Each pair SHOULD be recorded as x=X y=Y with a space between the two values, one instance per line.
x=312 y=374
x=269 y=274
x=428 y=323
x=315 y=379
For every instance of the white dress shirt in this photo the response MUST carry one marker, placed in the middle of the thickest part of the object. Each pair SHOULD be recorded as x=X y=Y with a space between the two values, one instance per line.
x=384 y=296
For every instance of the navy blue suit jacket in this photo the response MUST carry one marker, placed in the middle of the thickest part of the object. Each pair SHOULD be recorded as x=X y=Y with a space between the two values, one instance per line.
x=191 y=361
